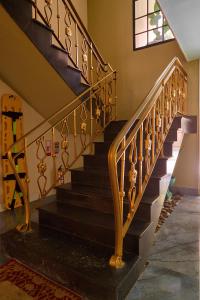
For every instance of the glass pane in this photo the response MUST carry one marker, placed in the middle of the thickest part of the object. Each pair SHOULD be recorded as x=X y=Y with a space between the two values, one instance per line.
x=164 y=21
x=153 y=6
x=168 y=35
x=155 y=36
x=140 y=8
x=141 y=25
x=155 y=20
x=141 y=40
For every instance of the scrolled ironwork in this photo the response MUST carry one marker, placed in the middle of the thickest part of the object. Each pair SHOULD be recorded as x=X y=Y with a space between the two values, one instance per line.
x=65 y=144
x=42 y=167
x=48 y=11
x=67 y=30
x=132 y=176
x=64 y=138
x=143 y=136
x=84 y=48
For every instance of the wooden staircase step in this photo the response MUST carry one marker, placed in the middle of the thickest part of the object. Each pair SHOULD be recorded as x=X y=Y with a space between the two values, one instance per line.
x=168 y=148
x=172 y=135
x=89 y=225
x=85 y=197
x=161 y=166
x=99 y=161
x=101 y=148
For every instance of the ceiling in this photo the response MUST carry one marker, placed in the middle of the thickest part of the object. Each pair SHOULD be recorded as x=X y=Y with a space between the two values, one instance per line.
x=183 y=17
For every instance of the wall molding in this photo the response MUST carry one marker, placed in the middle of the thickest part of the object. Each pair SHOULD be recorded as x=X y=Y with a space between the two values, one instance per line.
x=185 y=190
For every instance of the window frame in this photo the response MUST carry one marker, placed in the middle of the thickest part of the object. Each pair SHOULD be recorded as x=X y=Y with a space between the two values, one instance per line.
x=146 y=31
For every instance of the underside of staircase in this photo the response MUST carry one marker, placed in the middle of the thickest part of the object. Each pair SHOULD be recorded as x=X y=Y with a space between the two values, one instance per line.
x=75 y=236
x=33 y=65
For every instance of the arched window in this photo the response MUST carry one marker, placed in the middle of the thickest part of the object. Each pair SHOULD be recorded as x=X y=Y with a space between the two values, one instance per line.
x=150 y=26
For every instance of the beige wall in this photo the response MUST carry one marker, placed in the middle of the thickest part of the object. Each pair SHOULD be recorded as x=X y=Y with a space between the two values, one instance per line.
x=111 y=25
x=187 y=167
x=81 y=8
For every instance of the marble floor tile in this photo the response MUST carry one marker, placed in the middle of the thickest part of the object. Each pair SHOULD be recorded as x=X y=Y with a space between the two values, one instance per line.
x=173 y=269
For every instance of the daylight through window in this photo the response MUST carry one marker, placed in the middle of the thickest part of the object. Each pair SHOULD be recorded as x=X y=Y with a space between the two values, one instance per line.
x=150 y=26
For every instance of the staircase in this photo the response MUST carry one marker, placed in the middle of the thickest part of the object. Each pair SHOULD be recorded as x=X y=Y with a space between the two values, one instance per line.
x=113 y=202
x=75 y=235
x=65 y=76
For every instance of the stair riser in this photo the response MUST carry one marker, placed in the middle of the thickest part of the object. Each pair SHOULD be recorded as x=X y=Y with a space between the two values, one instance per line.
x=153 y=187
x=84 y=201
x=102 y=148
x=93 y=161
x=104 y=205
x=160 y=167
x=94 y=233
x=88 y=179
x=172 y=136
x=176 y=123
x=101 y=180
x=114 y=127
x=65 y=225
x=143 y=212
x=168 y=149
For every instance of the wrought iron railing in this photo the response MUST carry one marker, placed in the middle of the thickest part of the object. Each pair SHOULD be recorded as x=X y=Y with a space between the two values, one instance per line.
x=71 y=35
x=135 y=150
x=63 y=138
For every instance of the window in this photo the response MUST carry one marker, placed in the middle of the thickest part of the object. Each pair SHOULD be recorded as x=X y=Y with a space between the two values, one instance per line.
x=150 y=26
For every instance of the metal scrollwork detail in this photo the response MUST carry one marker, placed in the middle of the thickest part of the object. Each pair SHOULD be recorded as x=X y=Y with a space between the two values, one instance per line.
x=148 y=146
x=99 y=71
x=98 y=111
x=84 y=57
x=158 y=124
x=109 y=102
x=48 y=11
x=132 y=175
x=68 y=31
x=65 y=144
x=83 y=134
x=42 y=167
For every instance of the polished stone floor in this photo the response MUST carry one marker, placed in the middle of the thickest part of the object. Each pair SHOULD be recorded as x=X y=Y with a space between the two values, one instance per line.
x=173 y=264
x=9 y=220
x=173 y=269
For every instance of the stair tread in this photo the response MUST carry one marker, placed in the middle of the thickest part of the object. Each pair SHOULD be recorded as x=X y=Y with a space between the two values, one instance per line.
x=90 y=218
x=42 y=25
x=149 y=200
x=92 y=171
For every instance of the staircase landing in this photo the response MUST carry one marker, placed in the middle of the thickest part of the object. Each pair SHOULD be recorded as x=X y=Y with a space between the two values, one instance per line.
x=52 y=253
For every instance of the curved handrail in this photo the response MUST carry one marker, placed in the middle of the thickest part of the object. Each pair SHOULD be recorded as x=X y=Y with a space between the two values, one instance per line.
x=127 y=138
x=89 y=113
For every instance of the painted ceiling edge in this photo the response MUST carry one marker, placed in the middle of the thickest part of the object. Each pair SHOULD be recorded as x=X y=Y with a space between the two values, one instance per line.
x=191 y=49
x=174 y=33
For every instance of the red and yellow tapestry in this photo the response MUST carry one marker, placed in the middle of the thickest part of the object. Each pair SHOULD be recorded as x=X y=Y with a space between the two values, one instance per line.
x=16 y=278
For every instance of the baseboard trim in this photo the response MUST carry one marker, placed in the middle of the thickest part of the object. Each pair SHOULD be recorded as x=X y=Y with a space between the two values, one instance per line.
x=185 y=191
x=2 y=208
